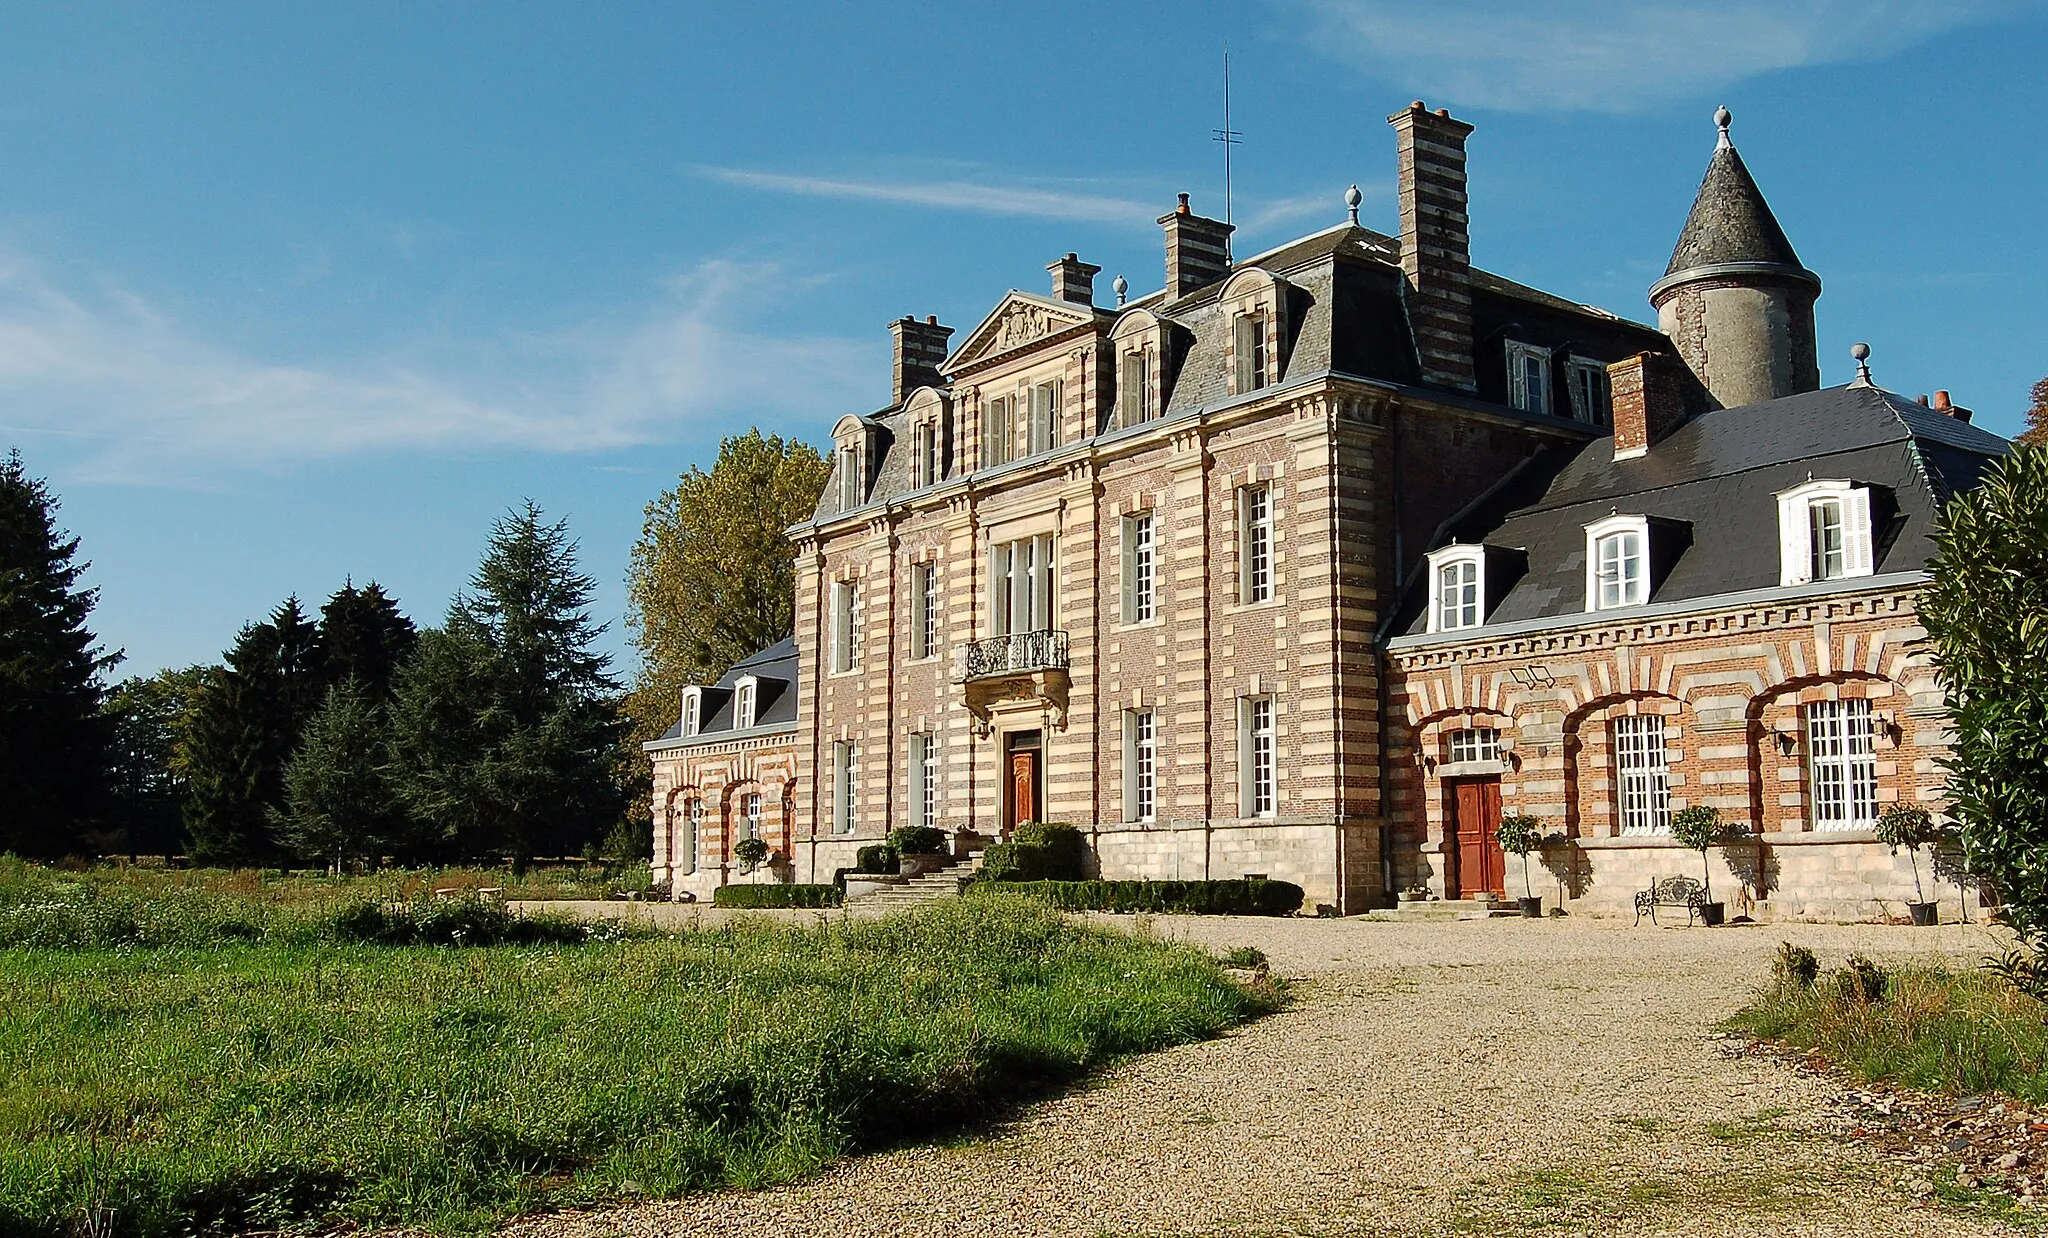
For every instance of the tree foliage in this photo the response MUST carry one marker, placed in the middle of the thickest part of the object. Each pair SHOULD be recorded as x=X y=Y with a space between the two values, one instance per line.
x=1986 y=611
x=339 y=804
x=2036 y=433
x=713 y=577
x=243 y=730
x=364 y=637
x=150 y=716
x=505 y=723
x=53 y=735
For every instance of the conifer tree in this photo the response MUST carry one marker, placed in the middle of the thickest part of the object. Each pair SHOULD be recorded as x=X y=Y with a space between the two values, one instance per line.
x=243 y=730
x=53 y=735
x=364 y=637
x=505 y=721
x=339 y=805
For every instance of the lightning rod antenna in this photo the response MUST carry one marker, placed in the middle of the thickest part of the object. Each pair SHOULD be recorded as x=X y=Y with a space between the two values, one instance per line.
x=1229 y=137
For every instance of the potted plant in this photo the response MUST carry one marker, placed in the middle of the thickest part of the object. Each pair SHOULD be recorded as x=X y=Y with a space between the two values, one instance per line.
x=1519 y=834
x=750 y=853
x=1910 y=826
x=1698 y=828
x=1415 y=894
x=920 y=849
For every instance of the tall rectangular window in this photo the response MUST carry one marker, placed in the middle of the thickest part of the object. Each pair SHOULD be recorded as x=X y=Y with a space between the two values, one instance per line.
x=1841 y=765
x=1141 y=765
x=1255 y=544
x=1457 y=595
x=1529 y=377
x=752 y=810
x=851 y=484
x=692 y=704
x=1825 y=541
x=743 y=706
x=1620 y=569
x=924 y=779
x=1255 y=733
x=1591 y=398
x=1134 y=388
x=693 y=821
x=999 y=430
x=1642 y=775
x=1045 y=417
x=844 y=814
x=1140 y=559
x=846 y=625
x=1250 y=347
x=1021 y=585
x=928 y=454
x=924 y=610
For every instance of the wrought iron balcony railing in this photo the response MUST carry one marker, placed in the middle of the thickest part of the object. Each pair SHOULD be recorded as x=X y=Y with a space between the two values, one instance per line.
x=1016 y=654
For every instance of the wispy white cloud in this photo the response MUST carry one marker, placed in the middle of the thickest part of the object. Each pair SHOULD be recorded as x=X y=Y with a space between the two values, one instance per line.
x=1617 y=55
x=990 y=197
x=143 y=398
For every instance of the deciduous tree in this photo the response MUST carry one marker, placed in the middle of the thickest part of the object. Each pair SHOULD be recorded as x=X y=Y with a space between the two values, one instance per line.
x=53 y=734
x=2036 y=433
x=1986 y=611
x=150 y=716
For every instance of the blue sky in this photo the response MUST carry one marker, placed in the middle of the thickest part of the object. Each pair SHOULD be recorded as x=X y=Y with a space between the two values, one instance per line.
x=290 y=294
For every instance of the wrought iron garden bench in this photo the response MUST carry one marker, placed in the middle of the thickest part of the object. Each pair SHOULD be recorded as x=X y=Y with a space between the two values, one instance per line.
x=1672 y=892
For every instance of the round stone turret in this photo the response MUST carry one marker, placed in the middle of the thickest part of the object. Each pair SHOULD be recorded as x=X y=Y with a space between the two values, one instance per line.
x=1735 y=299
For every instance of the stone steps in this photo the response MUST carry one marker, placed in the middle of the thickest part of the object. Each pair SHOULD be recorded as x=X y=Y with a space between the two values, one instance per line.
x=919 y=891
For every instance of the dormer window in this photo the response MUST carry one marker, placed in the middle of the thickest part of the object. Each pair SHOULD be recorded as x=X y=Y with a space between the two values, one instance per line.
x=999 y=430
x=745 y=693
x=1824 y=532
x=1249 y=346
x=850 y=479
x=693 y=710
x=1134 y=388
x=1045 y=416
x=1458 y=592
x=1617 y=562
x=1529 y=378
x=1592 y=399
x=925 y=446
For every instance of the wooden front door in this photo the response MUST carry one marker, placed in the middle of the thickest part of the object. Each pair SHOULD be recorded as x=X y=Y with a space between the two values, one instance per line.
x=1022 y=789
x=1475 y=814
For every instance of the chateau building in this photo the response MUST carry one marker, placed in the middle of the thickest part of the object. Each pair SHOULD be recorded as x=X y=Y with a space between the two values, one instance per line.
x=1312 y=563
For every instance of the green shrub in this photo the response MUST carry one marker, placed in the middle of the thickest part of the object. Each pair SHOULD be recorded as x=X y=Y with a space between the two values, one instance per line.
x=1015 y=862
x=917 y=840
x=1066 y=852
x=1244 y=956
x=1795 y=968
x=1252 y=897
x=450 y=922
x=776 y=895
x=751 y=853
x=1860 y=980
x=878 y=858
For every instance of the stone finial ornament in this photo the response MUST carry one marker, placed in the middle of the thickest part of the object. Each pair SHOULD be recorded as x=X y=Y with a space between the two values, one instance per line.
x=1861 y=351
x=1121 y=287
x=1721 y=118
x=1351 y=200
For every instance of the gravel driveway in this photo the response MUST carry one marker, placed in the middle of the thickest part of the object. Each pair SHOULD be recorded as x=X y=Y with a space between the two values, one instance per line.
x=1492 y=1077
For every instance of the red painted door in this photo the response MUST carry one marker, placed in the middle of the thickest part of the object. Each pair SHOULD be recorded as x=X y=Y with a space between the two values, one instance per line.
x=1023 y=787
x=1475 y=810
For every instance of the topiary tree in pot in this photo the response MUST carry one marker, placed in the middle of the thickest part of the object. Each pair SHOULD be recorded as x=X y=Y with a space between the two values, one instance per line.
x=1519 y=834
x=1910 y=826
x=1698 y=828
x=750 y=854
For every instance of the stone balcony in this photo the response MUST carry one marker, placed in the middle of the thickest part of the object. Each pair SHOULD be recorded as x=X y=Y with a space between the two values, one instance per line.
x=1020 y=672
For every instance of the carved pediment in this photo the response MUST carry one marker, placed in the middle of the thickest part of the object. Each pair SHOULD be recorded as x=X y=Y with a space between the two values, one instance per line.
x=1020 y=321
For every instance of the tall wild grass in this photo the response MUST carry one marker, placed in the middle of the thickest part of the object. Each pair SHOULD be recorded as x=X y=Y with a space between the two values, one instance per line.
x=218 y=1084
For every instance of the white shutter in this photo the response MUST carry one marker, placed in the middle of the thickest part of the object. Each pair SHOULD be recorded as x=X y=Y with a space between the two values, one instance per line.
x=1856 y=533
x=1244 y=757
x=1130 y=766
x=1130 y=573
x=1245 y=347
x=1795 y=541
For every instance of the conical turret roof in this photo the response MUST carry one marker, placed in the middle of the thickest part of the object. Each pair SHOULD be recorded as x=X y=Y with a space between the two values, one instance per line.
x=1731 y=222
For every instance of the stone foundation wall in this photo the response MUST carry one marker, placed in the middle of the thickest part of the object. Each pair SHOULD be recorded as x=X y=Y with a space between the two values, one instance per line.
x=1336 y=865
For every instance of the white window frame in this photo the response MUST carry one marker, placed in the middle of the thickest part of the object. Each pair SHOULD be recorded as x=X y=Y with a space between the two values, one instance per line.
x=999 y=430
x=1537 y=399
x=746 y=697
x=1255 y=583
x=846 y=626
x=1841 y=764
x=1134 y=399
x=1642 y=774
x=845 y=767
x=1796 y=551
x=1258 y=756
x=1592 y=396
x=1140 y=568
x=751 y=812
x=926 y=438
x=924 y=778
x=693 y=820
x=1631 y=590
x=1465 y=568
x=1479 y=743
x=1141 y=765
x=693 y=711
x=924 y=610
x=851 y=483
x=1021 y=583
x=1046 y=400
x=1248 y=346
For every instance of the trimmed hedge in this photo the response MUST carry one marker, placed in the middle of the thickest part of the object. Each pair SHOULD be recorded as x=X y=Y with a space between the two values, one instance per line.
x=1015 y=862
x=1195 y=898
x=775 y=895
x=1066 y=852
x=917 y=840
x=876 y=858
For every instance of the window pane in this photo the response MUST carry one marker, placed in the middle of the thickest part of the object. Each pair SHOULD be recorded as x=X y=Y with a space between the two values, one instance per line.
x=1841 y=765
x=1642 y=775
x=1825 y=538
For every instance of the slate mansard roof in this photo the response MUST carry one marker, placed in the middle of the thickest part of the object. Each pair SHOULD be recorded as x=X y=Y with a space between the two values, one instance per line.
x=1346 y=312
x=775 y=669
x=1717 y=477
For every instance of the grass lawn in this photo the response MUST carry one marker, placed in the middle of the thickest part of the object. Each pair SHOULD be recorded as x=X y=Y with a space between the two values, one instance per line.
x=253 y=1073
x=1936 y=1030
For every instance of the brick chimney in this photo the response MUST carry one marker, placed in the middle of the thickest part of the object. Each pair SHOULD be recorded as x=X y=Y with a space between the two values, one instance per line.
x=1073 y=280
x=1649 y=401
x=1436 y=249
x=1197 y=250
x=1947 y=409
x=920 y=348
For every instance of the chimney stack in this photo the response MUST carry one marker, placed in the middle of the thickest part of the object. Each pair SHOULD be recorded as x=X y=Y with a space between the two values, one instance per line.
x=1197 y=250
x=920 y=349
x=1649 y=402
x=1947 y=409
x=1436 y=248
x=1073 y=280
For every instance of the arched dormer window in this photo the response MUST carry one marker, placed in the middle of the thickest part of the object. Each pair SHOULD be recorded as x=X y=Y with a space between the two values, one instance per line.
x=1457 y=594
x=1824 y=532
x=1139 y=342
x=853 y=460
x=930 y=426
x=746 y=695
x=1617 y=562
x=693 y=711
x=1255 y=302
